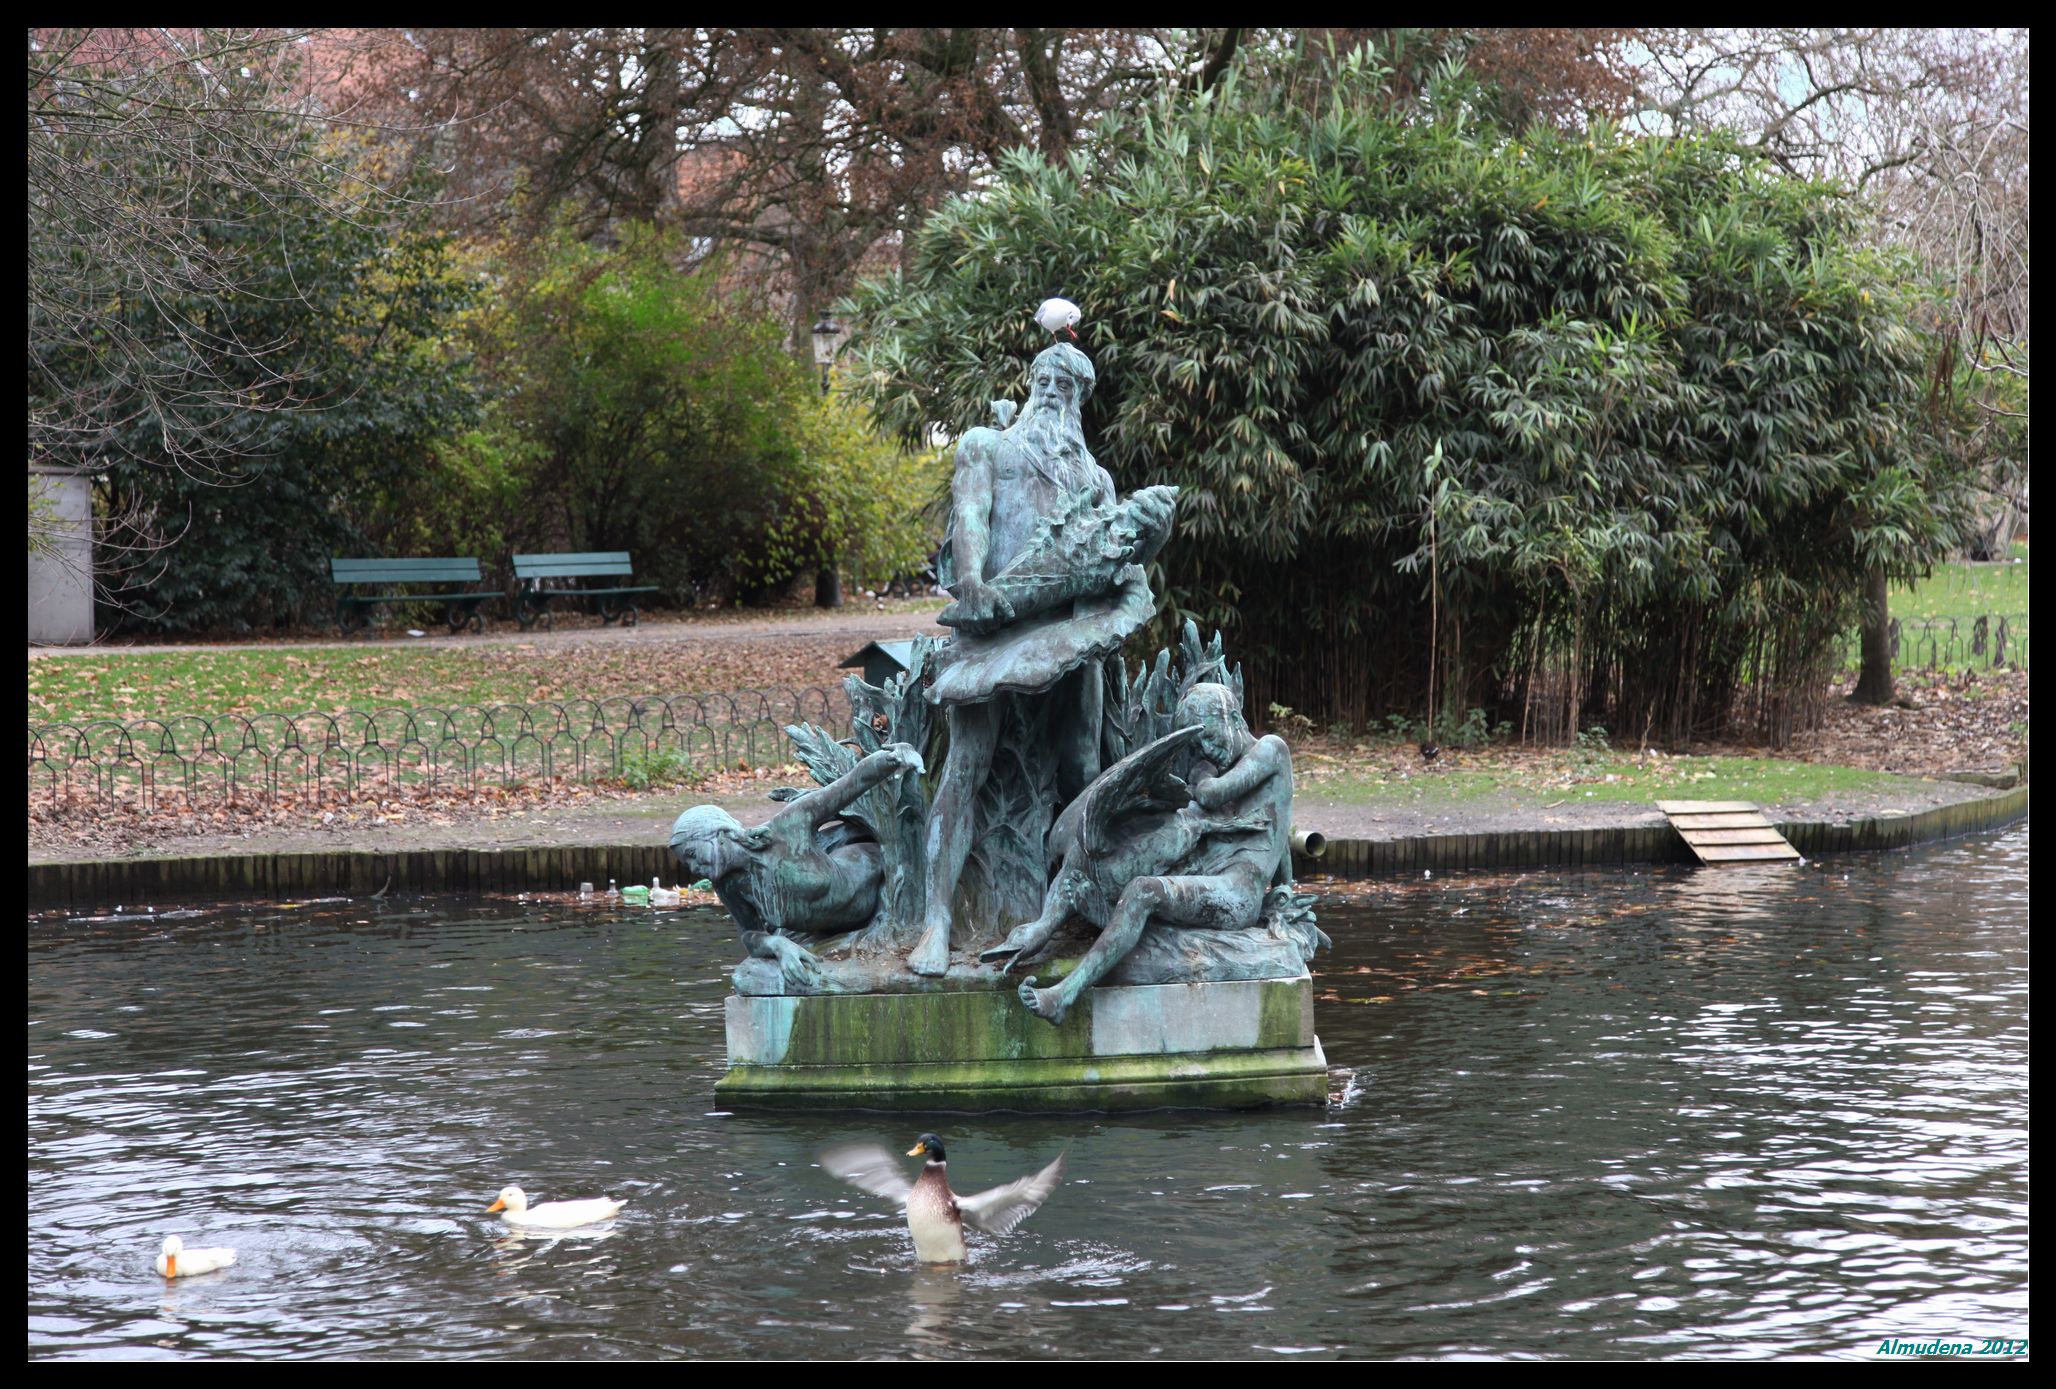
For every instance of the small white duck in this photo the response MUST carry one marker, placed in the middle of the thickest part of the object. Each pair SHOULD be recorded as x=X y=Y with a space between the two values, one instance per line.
x=552 y=1215
x=177 y=1261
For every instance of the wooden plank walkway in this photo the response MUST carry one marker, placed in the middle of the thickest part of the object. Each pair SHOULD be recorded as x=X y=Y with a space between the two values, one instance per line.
x=1728 y=832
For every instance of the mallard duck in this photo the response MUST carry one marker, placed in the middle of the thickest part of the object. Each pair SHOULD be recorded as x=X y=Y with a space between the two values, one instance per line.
x=936 y=1215
x=177 y=1261
x=552 y=1215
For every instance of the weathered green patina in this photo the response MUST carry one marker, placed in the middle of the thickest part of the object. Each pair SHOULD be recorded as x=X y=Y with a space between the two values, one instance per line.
x=1228 y=1045
x=1065 y=791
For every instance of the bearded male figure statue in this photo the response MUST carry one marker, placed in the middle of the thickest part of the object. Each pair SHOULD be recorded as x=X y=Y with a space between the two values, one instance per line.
x=1045 y=566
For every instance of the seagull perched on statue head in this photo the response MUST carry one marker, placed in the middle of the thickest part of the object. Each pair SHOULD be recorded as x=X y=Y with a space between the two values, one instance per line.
x=1057 y=316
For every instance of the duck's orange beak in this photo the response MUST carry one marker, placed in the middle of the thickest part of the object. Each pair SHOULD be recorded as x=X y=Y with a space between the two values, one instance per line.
x=497 y=1205
x=917 y=1150
x=171 y=1265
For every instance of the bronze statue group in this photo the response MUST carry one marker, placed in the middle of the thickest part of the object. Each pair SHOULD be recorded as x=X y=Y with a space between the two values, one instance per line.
x=1068 y=790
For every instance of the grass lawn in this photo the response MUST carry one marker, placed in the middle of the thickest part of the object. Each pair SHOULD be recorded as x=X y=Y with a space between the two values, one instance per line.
x=1965 y=592
x=298 y=679
x=1563 y=776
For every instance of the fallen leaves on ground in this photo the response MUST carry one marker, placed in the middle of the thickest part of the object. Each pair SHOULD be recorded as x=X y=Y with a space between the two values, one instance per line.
x=287 y=679
x=1963 y=721
x=126 y=824
x=1966 y=721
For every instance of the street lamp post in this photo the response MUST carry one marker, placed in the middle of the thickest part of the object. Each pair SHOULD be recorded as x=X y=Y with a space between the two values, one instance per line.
x=827 y=333
x=827 y=582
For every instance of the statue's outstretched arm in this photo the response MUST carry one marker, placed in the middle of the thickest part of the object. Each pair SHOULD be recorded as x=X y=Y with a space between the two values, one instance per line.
x=818 y=807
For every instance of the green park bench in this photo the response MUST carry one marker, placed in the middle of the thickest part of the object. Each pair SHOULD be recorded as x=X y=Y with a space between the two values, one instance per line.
x=353 y=609
x=533 y=593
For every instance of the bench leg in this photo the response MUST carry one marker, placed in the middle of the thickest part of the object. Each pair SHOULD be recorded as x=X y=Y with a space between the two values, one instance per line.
x=462 y=612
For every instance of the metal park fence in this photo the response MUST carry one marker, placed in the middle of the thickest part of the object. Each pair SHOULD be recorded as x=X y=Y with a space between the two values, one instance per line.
x=1994 y=641
x=258 y=759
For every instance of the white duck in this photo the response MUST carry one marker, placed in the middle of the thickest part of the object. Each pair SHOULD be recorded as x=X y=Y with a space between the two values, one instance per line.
x=552 y=1215
x=177 y=1261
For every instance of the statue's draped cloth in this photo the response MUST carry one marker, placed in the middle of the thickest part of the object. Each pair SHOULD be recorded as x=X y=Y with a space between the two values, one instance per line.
x=1080 y=590
x=1030 y=656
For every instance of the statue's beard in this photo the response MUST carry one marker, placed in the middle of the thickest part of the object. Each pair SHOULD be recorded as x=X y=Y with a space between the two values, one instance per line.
x=1050 y=430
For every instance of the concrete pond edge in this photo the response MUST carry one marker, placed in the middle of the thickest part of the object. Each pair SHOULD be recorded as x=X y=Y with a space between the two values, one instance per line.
x=100 y=883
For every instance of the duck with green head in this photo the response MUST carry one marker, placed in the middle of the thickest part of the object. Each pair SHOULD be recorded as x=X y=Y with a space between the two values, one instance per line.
x=936 y=1216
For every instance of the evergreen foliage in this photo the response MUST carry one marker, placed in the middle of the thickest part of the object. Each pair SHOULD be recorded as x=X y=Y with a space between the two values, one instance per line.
x=873 y=505
x=1569 y=427
x=352 y=317
x=640 y=408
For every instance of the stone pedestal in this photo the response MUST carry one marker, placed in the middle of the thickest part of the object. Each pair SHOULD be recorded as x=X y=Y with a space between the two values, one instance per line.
x=969 y=1048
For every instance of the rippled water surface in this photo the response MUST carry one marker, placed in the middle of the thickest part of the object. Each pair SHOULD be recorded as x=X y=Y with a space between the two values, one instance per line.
x=1680 y=1113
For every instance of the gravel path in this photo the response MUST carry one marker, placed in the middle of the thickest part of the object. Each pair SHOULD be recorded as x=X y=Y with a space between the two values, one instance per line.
x=860 y=624
x=647 y=820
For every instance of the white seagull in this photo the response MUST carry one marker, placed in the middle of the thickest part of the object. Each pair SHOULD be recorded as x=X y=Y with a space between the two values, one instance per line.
x=1057 y=316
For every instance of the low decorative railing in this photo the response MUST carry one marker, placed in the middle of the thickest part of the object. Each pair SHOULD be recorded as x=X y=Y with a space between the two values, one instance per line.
x=1993 y=641
x=237 y=759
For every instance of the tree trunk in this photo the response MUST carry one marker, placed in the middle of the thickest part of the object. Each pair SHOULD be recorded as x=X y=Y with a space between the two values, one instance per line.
x=1874 y=686
x=828 y=586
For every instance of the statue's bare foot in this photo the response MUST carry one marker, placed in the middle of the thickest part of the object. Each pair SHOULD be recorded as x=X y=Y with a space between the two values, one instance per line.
x=930 y=955
x=1047 y=1004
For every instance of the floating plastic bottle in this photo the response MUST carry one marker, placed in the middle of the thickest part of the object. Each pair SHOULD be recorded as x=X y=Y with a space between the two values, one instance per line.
x=585 y=891
x=637 y=896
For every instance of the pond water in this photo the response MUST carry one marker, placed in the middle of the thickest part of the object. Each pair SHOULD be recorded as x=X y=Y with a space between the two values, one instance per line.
x=1666 y=1113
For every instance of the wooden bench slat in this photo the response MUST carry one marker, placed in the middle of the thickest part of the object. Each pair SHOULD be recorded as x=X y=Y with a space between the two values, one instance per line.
x=572 y=571
x=401 y=571
x=572 y=566
x=437 y=597
x=577 y=557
